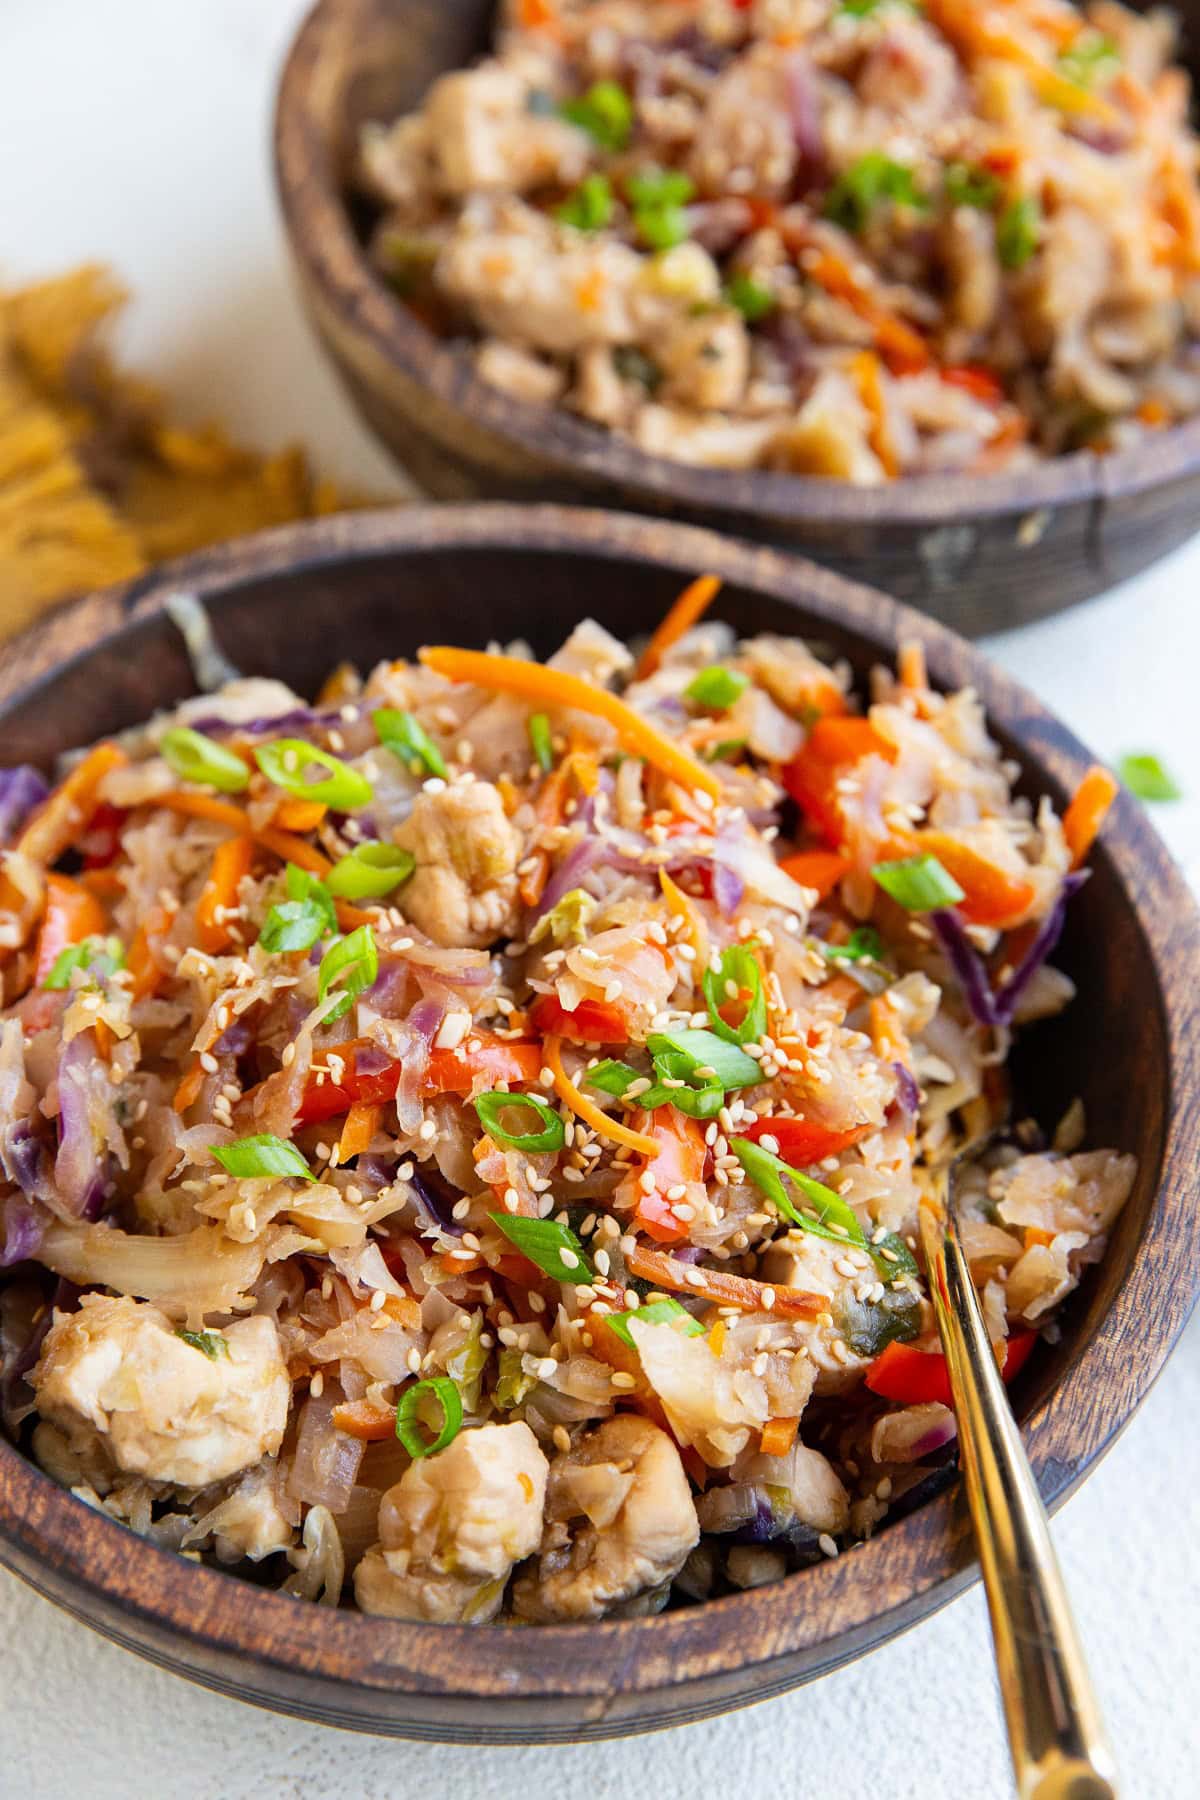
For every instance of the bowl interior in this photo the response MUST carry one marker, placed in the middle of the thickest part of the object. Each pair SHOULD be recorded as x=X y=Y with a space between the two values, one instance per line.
x=293 y=603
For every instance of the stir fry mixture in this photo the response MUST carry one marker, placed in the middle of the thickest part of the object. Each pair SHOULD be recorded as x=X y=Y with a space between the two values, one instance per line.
x=846 y=238
x=462 y=1140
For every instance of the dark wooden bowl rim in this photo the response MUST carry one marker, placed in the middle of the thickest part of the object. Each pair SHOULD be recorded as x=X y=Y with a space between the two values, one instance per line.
x=324 y=239
x=204 y=1622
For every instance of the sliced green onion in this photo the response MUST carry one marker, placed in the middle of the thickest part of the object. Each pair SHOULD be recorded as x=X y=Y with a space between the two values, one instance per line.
x=441 y=1389
x=705 y=1050
x=966 y=184
x=769 y=1172
x=699 y=1100
x=653 y=187
x=611 y=1077
x=654 y=1312
x=292 y=925
x=1092 y=57
x=302 y=884
x=661 y=227
x=1017 y=231
x=195 y=757
x=738 y=970
x=370 y=871
x=750 y=298
x=352 y=963
x=408 y=739
x=589 y=207
x=727 y=747
x=254 y=1158
x=287 y=763
x=100 y=955
x=208 y=1343
x=539 y=737
x=1144 y=775
x=553 y=1247
x=717 y=688
x=605 y=112
x=863 y=944
x=552 y=1136
x=859 y=189
x=918 y=883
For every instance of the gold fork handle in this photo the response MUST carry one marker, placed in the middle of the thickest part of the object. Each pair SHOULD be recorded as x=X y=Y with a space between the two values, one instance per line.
x=1059 y=1749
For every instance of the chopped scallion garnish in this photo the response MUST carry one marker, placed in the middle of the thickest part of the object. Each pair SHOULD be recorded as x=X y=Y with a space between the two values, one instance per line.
x=605 y=112
x=918 y=883
x=1017 y=231
x=552 y=1136
x=262 y=1156
x=438 y=1388
x=208 y=1343
x=862 y=945
x=1144 y=775
x=736 y=983
x=717 y=688
x=539 y=738
x=195 y=757
x=99 y=955
x=589 y=207
x=370 y=871
x=290 y=763
x=307 y=915
x=859 y=189
x=751 y=298
x=611 y=1077
x=553 y=1247
x=655 y=1312
x=408 y=739
x=352 y=964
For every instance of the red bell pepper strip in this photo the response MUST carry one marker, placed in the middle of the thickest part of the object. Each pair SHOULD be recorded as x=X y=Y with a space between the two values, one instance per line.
x=448 y=1072
x=915 y=1377
x=72 y=914
x=832 y=747
x=591 y=1022
x=681 y=1158
x=803 y=1141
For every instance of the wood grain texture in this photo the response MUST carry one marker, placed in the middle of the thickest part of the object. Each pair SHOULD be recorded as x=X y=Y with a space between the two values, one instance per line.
x=981 y=553
x=289 y=603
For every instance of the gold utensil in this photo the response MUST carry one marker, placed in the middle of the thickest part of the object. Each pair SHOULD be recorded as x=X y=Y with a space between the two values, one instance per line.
x=1059 y=1749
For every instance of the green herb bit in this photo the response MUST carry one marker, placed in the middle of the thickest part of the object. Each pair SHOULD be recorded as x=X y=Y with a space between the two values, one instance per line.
x=567 y=919
x=868 y=1327
x=539 y=738
x=101 y=956
x=738 y=978
x=440 y=1390
x=262 y=1156
x=605 y=112
x=918 y=883
x=291 y=926
x=408 y=739
x=863 y=944
x=554 y=1248
x=208 y=1343
x=717 y=688
x=750 y=298
x=589 y=207
x=512 y=1384
x=1017 y=231
x=552 y=1136
x=652 y=187
x=835 y=1219
x=352 y=964
x=707 y=1050
x=289 y=762
x=872 y=180
x=1144 y=775
x=727 y=747
x=611 y=1077
x=633 y=364
x=661 y=227
x=370 y=871
x=1093 y=58
x=966 y=184
x=655 y=1312
x=866 y=9
x=195 y=757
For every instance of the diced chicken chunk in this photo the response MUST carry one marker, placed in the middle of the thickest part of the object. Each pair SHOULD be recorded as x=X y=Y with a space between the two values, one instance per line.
x=483 y=137
x=464 y=890
x=167 y=1410
x=620 y=1524
x=523 y=286
x=706 y=359
x=454 y=1525
x=718 y=1403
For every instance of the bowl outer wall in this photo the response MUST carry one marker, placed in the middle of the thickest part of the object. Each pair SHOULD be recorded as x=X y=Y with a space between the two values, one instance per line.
x=984 y=553
x=608 y=1678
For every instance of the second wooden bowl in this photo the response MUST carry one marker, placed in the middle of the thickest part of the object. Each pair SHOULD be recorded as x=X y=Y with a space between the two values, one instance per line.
x=371 y=585
x=982 y=553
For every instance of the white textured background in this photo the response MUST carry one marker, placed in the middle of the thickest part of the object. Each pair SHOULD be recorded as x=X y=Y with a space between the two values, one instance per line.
x=136 y=131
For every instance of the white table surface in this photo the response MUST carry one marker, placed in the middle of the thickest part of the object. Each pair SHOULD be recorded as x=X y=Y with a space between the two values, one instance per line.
x=136 y=131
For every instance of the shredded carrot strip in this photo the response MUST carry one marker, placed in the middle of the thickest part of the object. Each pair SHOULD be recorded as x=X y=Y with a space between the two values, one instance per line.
x=818 y=870
x=722 y=1288
x=1087 y=811
x=583 y=1108
x=282 y=844
x=106 y=884
x=716 y=1338
x=679 y=902
x=351 y=917
x=554 y=687
x=59 y=822
x=902 y=348
x=910 y=665
x=976 y=34
x=72 y=914
x=361 y=1124
x=1035 y=1235
x=141 y=961
x=778 y=1436
x=864 y=366
x=299 y=815
x=188 y=1090
x=364 y=1420
x=694 y=601
x=340 y=684
x=888 y=1036
x=230 y=864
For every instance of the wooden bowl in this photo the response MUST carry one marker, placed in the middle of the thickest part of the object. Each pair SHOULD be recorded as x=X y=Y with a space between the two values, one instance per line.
x=375 y=584
x=981 y=552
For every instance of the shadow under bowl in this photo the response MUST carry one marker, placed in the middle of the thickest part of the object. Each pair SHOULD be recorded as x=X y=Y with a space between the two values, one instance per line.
x=365 y=586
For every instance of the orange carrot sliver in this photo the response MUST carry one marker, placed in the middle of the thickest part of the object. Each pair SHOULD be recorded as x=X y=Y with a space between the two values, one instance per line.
x=694 y=601
x=361 y=1124
x=820 y=870
x=722 y=1288
x=1086 y=813
x=72 y=914
x=864 y=366
x=57 y=825
x=230 y=864
x=554 y=687
x=283 y=844
x=361 y=1419
x=584 y=1109
x=888 y=1036
x=679 y=903
x=778 y=1436
x=141 y=961
x=299 y=815
x=188 y=1090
